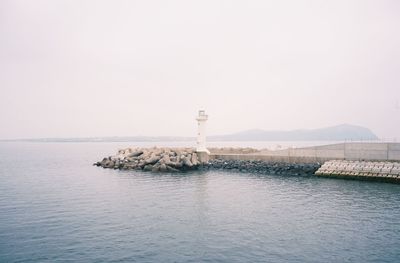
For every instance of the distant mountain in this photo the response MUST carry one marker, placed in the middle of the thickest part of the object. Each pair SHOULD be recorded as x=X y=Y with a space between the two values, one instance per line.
x=335 y=133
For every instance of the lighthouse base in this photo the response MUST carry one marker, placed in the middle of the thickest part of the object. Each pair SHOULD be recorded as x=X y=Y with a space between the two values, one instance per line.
x=203 y=156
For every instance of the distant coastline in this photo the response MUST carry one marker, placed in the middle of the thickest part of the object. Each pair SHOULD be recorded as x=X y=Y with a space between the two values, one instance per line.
x=342 y=132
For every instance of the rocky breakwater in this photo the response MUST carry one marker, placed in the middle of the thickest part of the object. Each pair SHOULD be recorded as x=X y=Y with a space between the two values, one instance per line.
x=153 y=159
x=263 y=167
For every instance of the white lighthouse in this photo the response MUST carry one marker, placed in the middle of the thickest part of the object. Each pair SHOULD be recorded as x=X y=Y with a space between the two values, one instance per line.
x=201 y=132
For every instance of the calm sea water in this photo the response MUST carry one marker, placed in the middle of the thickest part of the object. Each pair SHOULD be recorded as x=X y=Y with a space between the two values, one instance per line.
x=56 y=207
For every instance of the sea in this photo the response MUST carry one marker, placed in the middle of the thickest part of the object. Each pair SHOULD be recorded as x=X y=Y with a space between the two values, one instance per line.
x=55 y=206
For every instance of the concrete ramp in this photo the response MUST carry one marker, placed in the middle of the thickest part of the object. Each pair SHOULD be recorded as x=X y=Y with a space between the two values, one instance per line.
x=361 y=170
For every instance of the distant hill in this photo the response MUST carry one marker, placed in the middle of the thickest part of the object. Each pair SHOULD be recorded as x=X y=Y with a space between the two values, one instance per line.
x=335 y=133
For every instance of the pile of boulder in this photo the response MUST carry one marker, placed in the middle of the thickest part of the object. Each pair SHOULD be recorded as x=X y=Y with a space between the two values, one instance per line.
x=153 y=159
x=262 y=167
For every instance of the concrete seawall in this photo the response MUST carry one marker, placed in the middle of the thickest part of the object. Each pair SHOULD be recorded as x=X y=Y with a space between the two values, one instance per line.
x=365 y=161
x=321 y=154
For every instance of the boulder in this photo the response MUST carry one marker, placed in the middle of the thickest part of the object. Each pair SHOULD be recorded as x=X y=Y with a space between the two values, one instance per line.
x=163 y=168
x=176 y=164
x=109 y=164
x=152 y=160
x=166 y=159
x=187 y=162
x=156 y=168
x=130 y=159
x=141 y=164
x=135 y=153
x=103 y=162
x=148 y=167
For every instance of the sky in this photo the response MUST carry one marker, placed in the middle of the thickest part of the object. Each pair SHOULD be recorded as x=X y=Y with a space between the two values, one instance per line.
x=127 y=68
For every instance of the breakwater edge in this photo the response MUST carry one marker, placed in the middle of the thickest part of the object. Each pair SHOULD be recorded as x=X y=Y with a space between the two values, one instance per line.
x=373 y=161
x=186 y=159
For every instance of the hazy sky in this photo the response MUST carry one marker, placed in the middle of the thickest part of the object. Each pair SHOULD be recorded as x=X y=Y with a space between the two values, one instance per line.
x=105 y=68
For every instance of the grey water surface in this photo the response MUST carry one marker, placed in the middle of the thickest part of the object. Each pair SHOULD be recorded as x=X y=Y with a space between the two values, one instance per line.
x=56 y=207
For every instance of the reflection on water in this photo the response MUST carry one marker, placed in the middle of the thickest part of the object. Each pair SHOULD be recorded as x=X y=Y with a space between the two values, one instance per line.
x=55 y=206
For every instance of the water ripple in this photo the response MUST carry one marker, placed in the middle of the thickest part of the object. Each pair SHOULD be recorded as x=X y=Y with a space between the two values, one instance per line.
x=54 y=206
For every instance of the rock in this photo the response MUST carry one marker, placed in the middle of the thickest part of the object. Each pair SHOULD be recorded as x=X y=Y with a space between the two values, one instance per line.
x=109 y=164
x=135 y=153
x=187 y=162
x=166 y=159
x=130 y=159
x=152 y=160
x=141 y=164
x=114 y=158
x=163 y=168
x=176 y=164
x=171 y=169
x=303 y=169
x=148 y=167
x=156 y=168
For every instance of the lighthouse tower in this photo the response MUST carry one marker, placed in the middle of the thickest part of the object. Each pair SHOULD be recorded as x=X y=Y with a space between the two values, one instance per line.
x=201 y=133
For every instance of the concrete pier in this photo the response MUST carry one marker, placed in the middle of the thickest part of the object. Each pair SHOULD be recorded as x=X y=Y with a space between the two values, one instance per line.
x=362 y=161
x=365 y=161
